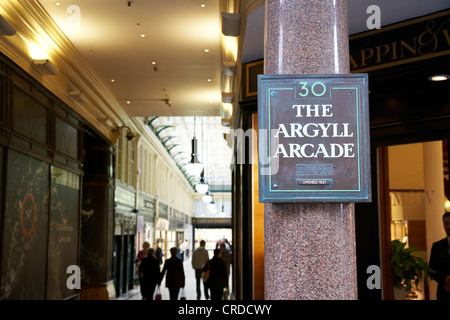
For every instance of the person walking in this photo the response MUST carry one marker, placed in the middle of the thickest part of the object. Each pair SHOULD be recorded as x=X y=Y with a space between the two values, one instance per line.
x=225 y=255
x=158 y=253
x=217 y=280
x=175 y=278
x=200 y=258
x=186 y=246
x=440 y=261
x=142 y=254
x=149 y=275
x=180 y=251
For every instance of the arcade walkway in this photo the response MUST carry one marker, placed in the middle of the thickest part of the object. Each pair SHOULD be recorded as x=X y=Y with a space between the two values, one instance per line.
x=190 y=288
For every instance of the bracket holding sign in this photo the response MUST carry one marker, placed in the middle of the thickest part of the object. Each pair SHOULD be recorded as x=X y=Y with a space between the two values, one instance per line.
x=314 y=143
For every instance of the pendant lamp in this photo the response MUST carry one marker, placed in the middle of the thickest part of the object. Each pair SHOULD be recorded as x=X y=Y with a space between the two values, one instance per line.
x=202 y=186
x=194 y=167
x=211 y=205
x=207 y=197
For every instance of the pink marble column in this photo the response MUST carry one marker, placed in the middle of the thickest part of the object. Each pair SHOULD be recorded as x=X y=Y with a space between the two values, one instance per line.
x=309 y=248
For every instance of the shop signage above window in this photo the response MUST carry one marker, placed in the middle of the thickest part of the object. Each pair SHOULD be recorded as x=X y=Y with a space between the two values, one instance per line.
x=405 y=42
x=314 y=138
x=408 y=41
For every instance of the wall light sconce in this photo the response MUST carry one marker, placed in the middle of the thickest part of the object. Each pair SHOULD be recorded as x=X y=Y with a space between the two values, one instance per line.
x=447 y=205
x=227 y=97
x=231 y=24
x=229 y=68
x=106 y=121
x=6 y=29
x=78 y=96
x=225 y=122
x=46 y=66
x=130 y=135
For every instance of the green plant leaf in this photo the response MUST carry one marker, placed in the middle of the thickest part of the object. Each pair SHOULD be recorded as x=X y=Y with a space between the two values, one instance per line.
x=406 y=266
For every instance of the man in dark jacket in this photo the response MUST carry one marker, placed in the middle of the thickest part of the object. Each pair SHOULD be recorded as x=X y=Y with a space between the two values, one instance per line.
x=440 y=261
x=148 y=275
x=217 y=280
x=175 y=274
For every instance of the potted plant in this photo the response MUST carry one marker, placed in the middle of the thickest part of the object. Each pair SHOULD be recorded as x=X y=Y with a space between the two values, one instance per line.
x=407 y=267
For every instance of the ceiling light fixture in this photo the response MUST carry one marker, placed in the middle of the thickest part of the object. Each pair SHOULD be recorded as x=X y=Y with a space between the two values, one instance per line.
x=439 y=77
x=206 y=50
x=207 y=197
x=202 y=186
x=194 y=167
x=222 y=213
x=6 y=29
x=46 y=66
x=211 y=205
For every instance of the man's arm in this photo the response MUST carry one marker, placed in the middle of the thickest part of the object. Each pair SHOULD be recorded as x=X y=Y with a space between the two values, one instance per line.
x=436 y=264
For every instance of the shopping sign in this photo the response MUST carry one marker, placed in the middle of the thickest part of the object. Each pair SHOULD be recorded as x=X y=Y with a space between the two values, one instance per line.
x=314 y=138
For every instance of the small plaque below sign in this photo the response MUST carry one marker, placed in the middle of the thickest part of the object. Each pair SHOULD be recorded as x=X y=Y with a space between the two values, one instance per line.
x=314 y=169
x=311 y=182
x=314 y=138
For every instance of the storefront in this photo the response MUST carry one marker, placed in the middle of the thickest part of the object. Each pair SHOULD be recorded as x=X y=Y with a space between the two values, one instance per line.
x=212 y=231
x=162 y=228
x=53 y=165
x=145 y=223
x=124 y=239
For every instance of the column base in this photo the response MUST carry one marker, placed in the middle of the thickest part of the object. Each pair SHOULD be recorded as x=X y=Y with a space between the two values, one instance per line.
x=98 y=292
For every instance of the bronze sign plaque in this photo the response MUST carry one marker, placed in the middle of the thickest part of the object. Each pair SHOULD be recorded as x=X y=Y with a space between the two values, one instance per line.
x=314 y=138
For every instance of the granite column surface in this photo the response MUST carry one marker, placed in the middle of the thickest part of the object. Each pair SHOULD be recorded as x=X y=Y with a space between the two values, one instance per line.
x=309 y=248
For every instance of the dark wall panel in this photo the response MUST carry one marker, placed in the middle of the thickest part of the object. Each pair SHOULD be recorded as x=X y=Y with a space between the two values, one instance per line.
x=63 y=231
x=24 y=251
x=66 y=138
x=30 y=117
x=40 y=203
